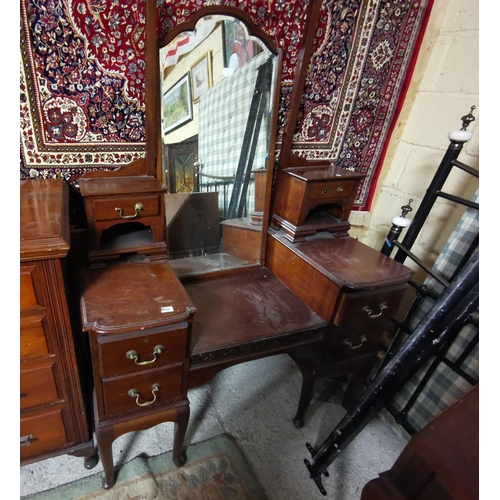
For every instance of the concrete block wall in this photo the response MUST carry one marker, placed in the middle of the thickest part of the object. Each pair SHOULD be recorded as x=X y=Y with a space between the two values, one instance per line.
x=445 y=84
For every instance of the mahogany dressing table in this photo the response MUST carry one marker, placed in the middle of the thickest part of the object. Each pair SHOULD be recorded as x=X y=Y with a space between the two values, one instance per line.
x=158 y=327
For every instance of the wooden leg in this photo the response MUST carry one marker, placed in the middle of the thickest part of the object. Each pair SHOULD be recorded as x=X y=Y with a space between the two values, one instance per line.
x=105 y=438
x=181 y=423
x=89 y=454
x=356 y=381
x=306 y=393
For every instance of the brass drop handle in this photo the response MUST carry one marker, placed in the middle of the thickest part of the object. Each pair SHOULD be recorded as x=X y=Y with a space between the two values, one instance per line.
x=158 y=349
x=138 y=207
x=348 y=343
x=369 y=311
x=134 y=394
x=26 y=440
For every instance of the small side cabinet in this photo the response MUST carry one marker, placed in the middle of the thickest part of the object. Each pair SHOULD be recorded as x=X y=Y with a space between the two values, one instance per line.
x=138 y=316
x=354 y=288
x=53 y=414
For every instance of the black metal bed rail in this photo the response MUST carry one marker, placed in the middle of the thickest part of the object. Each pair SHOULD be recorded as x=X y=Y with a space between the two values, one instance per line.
x=430 y=290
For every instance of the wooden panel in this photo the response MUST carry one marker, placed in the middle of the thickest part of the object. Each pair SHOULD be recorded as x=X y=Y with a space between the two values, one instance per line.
x=112 y=353
x=38 y=385
x=241 y=239
x=315 y=289
x=104 y=208
x=116 y=399
x=32 y=337
x=47 y=431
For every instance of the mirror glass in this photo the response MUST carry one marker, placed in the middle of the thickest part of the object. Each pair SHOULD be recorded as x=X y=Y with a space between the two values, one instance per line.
x=217 y=86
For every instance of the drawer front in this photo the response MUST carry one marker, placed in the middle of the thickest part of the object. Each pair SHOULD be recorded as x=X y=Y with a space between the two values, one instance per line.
x=351 y=342
x=331 y=190
x=122 y=356
x=105 y=208
x=117 y=398
x=33 y=343
x=369 y=306
x=42 y=432
x=37 y=383
x=29 y=273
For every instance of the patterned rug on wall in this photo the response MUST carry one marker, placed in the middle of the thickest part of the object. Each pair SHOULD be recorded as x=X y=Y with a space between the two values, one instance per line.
x=82 y=79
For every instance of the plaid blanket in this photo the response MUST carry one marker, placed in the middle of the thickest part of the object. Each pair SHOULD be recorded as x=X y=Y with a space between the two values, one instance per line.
x=223 y=116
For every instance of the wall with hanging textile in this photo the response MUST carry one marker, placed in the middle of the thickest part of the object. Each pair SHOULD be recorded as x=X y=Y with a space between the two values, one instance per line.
x=82 y=79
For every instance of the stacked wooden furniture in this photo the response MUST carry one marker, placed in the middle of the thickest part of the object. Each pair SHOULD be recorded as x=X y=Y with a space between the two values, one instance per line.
x=54 y=417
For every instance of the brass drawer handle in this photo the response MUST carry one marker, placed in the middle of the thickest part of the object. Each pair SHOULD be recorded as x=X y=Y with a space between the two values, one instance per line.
x=324 y=191
x=369 y=311
x=138 y=207
x=26 y=440
x=348 y=343
x=340 y=189
x=134 y=394
x=158 y=349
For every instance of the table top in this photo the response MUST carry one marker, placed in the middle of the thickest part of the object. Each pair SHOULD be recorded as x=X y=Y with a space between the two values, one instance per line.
x=244 y=308
x=346 y=261
x=322 y=173
x=44 y=219
x=133 y=296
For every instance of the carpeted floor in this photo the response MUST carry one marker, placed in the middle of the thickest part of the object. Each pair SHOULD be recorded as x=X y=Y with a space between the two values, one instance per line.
x=217 y=470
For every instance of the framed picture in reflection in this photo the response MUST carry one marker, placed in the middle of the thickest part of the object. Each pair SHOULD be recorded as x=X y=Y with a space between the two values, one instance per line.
x=238 y=47
x=177 y=105
x=201 y=75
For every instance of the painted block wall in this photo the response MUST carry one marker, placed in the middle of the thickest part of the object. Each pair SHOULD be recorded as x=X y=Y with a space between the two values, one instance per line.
x=445 y=84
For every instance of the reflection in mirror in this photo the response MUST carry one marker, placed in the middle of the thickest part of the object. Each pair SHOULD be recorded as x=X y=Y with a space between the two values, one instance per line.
x=217 y=95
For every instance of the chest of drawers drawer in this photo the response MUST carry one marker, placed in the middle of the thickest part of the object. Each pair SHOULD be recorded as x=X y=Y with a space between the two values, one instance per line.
x=42 y=432
x=142 y=391
x=368 y=307
x=37 y=383
x=138 y=352
x=131 y=207
x=29 y=274
x=33 y=341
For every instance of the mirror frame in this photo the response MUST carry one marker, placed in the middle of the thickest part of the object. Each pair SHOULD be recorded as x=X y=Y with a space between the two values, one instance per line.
x=253 y=30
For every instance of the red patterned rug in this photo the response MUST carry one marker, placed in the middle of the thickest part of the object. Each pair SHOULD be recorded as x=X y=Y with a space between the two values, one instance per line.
x=82 y=79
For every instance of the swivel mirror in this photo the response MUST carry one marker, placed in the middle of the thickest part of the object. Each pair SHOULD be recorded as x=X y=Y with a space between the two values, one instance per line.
x=218 y=94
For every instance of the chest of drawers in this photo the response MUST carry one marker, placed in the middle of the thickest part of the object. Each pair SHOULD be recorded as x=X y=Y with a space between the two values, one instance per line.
x=138 y=317
x=53 y=411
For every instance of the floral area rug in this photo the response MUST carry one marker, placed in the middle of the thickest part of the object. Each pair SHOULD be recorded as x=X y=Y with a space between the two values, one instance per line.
x=216 y=470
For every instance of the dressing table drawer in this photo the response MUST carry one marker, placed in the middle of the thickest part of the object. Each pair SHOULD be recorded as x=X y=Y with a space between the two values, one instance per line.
x=140 y=352
x=369 y=307
x=143 y=390
x=331 y=190
x=129 y=207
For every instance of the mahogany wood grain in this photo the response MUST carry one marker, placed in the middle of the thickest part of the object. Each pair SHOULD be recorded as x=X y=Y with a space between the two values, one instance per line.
x=47 y=429
x=441 y=462
x=112 y=351
x=242 y=239
x=33 y=341
x=44 y=219
x=130 y=297
x=37 y=383
x=117 y=401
